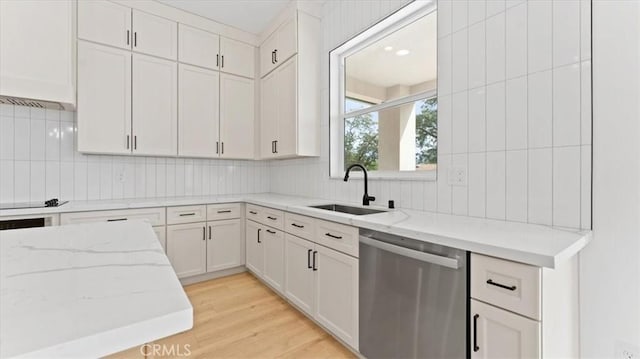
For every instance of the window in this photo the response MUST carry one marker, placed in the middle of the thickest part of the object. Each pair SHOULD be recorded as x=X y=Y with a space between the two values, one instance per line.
x=383 y=97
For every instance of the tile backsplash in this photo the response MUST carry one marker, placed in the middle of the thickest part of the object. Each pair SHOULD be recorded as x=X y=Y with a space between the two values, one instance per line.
x=514 y=111
x=38 y=161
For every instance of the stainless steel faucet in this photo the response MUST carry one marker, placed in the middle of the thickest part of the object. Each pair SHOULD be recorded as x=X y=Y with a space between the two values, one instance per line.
x=366 y=198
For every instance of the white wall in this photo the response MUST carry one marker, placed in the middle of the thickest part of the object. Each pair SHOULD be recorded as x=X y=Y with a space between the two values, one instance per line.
x=514 y=110
x=38 y=161
x=610 y=264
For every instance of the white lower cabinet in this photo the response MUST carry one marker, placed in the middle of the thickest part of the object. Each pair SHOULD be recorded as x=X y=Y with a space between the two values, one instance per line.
x=299 y=276
x=273 y=273
x=224 y=249
x=254 y=248
x=323 y=283
x=337 y=293
x=497 y=333
x=187 y=248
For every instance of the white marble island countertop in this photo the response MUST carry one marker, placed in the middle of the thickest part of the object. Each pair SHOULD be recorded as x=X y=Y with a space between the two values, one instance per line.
x=86 y=291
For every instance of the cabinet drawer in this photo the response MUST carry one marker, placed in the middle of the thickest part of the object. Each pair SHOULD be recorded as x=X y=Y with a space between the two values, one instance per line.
x=252 y=212
x=186 y=214
x=217 y=212
x=272 y=217
x=301 y=226
x=509 y=285
x=155 y=216
x=337 y=236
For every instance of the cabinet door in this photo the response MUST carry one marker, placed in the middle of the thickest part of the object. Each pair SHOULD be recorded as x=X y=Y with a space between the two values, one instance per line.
x=267 y=54
x=155 y=35
x=155 y=101
x=198 y=47
x=237 y=58
x=223 y=245
x=287 y=139
x=199 y=109
x=254 y=247
x=105 y=22
x=497 y=333
x=187 y=248
x=161 y=233
x=268 y=115
x=337 y=293
x=274 y=258
x=236 y=117
x=287 y=40
x=104 y=99
x=299 y=277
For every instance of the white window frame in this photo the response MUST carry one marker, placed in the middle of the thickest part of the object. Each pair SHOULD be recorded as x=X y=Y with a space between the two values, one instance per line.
x=337 y=93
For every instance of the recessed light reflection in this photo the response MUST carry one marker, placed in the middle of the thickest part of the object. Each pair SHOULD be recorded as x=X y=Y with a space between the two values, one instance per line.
x=402 y=52
x=388 y=48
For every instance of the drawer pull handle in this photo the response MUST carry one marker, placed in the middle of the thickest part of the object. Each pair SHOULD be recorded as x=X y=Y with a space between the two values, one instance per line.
x=272 y=218
x=116 y=219
x=332 y=236
x=475 y=333
x=225 y=211
x=309 y=258
x=511 y=288
x=187 y=214
x=253 y=212
x=297 y=225
x=270 y=231
x=314 y=260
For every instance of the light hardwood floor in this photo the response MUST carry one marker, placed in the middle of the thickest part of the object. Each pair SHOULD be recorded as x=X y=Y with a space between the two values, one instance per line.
x=239 y=317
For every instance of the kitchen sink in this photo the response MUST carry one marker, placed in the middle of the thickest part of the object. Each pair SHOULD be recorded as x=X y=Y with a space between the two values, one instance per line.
x=358 y=211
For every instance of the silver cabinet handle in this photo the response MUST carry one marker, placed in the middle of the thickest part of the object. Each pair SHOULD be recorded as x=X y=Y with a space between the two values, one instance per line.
x=421 y=256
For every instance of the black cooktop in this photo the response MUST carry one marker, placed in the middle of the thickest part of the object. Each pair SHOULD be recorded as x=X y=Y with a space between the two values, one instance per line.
x=48 y=203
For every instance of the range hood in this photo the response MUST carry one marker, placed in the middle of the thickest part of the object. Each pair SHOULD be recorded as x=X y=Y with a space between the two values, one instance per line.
x=18 y=101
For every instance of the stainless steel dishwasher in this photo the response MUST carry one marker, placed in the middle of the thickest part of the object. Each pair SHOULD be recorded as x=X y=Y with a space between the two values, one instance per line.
x=413 y=298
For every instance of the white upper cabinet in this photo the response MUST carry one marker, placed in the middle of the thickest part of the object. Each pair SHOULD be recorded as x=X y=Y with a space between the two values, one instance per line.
x=198 y=112
x=198 y=47
x=155 y=35
x=155 y=106
x=37 y=50
x=287 y=140
x=289 y=113
x=279 y=46
x=236 y=117
x=105 y=22
x=104 y=99
x=268 y=115
x=237 y=57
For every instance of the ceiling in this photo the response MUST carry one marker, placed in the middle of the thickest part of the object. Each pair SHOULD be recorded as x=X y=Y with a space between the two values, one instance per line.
x=385 y=68
x=249 y=15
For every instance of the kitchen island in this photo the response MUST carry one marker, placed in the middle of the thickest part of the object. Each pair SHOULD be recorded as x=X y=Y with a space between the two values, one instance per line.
x=86 y=290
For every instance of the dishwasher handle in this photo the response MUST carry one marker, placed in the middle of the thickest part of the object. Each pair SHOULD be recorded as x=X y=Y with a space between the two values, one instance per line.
x=448 y=262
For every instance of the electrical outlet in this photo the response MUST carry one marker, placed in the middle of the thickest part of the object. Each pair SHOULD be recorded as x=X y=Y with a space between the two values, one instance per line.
x=627 y=351
x=458 y=176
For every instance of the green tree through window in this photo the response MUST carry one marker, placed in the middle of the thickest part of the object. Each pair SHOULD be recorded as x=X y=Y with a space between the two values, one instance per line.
x=361 y=135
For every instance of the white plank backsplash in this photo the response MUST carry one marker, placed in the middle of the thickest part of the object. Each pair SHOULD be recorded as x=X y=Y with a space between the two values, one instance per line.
x=38 y=161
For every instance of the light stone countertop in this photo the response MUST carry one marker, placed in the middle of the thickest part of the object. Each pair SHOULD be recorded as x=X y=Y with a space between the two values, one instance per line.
x=86 y=291
x=533 y=244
